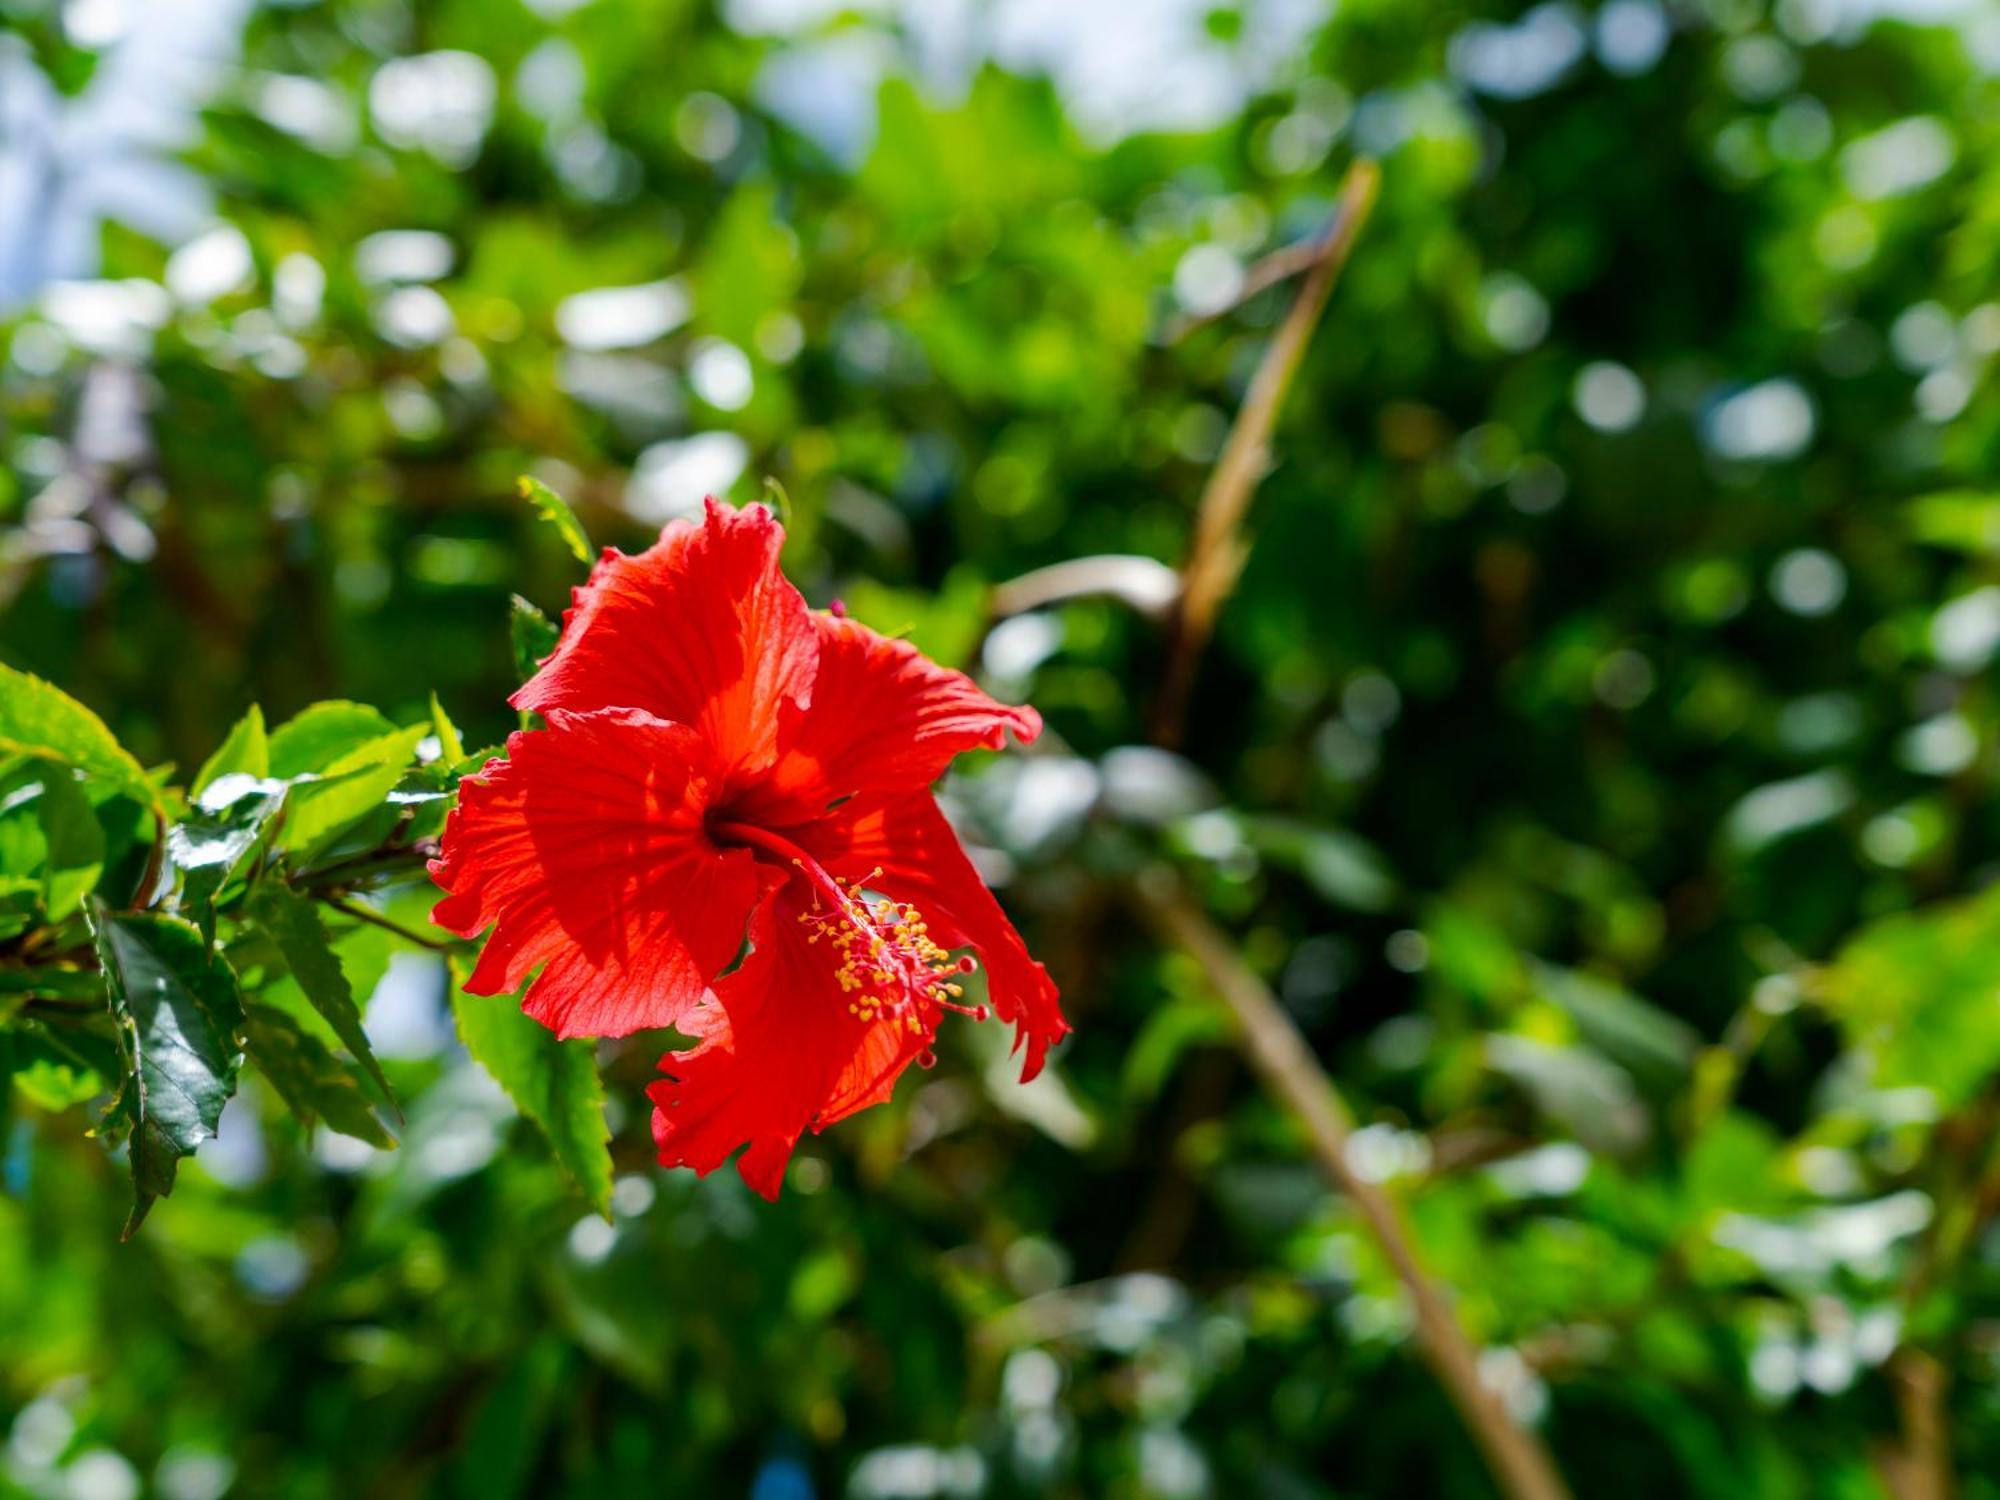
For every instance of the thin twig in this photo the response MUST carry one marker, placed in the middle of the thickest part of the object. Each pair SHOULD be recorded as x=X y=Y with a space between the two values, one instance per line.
x=1216 y=554
x=376 y=919
x=1143 y=584
x=1521 y=1466
x=1279 y=265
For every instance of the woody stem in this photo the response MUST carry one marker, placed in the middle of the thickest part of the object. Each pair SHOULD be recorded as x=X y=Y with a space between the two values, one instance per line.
x=1521 y=1467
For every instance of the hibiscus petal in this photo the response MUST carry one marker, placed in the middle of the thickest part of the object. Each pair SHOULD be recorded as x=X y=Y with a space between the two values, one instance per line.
x=781 y=1052
x=585 y=852
x=883 y=718
x=918 y=854
x=700 y=629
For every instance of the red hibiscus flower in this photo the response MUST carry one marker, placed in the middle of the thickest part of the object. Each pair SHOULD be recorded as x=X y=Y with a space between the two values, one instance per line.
x=722 y=765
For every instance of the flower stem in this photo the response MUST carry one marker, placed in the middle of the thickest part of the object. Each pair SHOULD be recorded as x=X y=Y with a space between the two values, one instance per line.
x=1521 y=1466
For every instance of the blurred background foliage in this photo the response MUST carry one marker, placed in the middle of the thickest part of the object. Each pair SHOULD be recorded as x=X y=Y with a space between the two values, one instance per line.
x=1596 y=756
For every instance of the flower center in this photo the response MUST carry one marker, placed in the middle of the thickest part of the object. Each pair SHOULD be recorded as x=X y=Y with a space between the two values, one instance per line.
x=885 y=960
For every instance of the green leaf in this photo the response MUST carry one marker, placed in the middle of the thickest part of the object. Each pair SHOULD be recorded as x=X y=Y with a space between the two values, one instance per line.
x=451 y=749
x=1964 y=520
x=245 y=750
x=352 y=787
x=554 y=1083
x=178 y=1012
x=318 y=736
x=534 y=636
x=38 y=718
x=207 y=846
x=1588 y=1094
x=75 y=840
x=555 y=510
x=311 y=1080
x=290 y=921
x=46 y=1072
x=1341 y=867
x=1655 y=1046
x=1918 y=995
x=1171 y=1030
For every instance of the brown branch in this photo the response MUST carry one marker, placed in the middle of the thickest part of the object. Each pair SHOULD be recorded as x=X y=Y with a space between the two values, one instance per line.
x=1521 y=1466
x=1216 y=554
x=1279 y=265
x=1918 y=1467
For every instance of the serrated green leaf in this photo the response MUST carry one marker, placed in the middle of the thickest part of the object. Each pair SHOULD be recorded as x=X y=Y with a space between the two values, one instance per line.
x=38 y=718
x=554 y=1083
x=75 y=843
x=316 y=737
x=552 y=508
x=246 y=749
x=451 y=749
x=353 y=786
x=534 y=636
x=291 y=922
x=311 y=1080
x=178 y=1013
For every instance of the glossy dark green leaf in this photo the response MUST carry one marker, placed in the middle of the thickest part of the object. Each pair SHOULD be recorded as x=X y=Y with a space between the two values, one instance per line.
x=208 y=845
x=178 y=1014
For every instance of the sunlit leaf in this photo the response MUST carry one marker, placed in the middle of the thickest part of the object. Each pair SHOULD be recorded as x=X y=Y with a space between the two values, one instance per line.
x=75 y=843
x=245 y=750
x=321 y=735
x=552 y=508
x=38 y=718
x=352 y=786
x=554 y=1083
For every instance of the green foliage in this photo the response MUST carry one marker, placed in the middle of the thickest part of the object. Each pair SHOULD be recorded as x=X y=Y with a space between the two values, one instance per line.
x=290 y=922
x=178 y=1015
x=313 y=1083
x=1918 y=995
x=1597 y=757
x=555 y=510
x=244 y=751
x=553 y=1082
x=38 y=718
